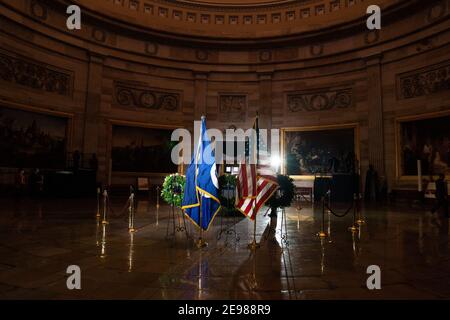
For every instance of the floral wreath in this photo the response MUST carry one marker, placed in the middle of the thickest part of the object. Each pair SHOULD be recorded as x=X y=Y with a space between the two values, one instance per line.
x=173 y=189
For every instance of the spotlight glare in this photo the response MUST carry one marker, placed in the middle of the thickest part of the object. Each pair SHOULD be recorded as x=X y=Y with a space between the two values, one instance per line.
x=275 y=161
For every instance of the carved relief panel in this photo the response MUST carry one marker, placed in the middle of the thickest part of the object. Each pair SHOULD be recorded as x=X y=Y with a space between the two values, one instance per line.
x=142 y=96
x=232 y=107
x=320 y=100
x=424 y=82
x=37 y=75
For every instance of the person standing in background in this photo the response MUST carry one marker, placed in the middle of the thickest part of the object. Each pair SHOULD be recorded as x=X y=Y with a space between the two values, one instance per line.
x=21 y=182
x=372 y=185
x=76 y=160
x=39 y=182
x=441 y=196
x=427 y=153
x=93 y=162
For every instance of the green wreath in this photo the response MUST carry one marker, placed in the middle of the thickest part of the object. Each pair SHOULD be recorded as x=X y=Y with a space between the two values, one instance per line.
x=284 y=197
x=173 y=189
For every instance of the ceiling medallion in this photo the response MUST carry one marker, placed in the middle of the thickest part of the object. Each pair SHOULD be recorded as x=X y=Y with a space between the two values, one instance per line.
x=151 y=48
x=372 y=36
x=38 y=10
x=316 y=50
x=265 y=55
x=436 y=11
x=99 y=35
x=201 y=55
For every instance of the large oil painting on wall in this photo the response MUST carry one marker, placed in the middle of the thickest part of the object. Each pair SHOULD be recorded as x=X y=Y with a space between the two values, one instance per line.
x=427 y=140
x=319 y=151
x=32 y=140
x=136 y=149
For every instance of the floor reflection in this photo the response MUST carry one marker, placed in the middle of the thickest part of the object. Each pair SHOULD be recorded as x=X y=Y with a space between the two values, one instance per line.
x=103 y=243
x=131 y=252
x=39 y=239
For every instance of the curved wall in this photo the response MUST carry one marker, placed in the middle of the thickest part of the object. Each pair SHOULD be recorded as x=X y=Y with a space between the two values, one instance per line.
x=109 y=71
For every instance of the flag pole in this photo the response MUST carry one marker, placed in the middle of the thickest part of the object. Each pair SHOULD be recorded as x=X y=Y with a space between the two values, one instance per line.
x=254 y=245
x=201 y=243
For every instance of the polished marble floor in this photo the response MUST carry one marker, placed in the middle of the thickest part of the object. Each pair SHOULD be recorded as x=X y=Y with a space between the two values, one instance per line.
x=40 y=239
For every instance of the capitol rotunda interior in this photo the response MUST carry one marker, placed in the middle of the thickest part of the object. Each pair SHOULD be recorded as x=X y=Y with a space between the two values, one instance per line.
x=355 y=96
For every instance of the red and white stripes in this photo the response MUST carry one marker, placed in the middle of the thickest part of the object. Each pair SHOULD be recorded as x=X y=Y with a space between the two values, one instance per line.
x=254 y=189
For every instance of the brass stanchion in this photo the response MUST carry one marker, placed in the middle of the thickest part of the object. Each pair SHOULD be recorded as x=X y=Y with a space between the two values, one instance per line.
x=254 y=245
x=157 y=197
x=97 y=232
x=131 y=228
x=157 y=216
x=299 y=205
x=354 y=227
x=322 y=234
x=360 y=216
x=354 y=245
x=201 y=243
x=328 y=195
x=98 y=215
x=105 y=206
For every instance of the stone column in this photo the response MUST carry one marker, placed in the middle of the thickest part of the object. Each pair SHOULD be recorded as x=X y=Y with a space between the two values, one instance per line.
x=265 y=109
x=92 y=119
x=200 y=92
x=375 y=113
x=265 y=100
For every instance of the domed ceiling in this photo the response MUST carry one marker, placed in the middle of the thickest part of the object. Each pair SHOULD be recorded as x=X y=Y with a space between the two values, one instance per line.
x=238 y=20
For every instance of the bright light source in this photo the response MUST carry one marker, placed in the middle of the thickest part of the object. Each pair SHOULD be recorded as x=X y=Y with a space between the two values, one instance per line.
x=275 y=161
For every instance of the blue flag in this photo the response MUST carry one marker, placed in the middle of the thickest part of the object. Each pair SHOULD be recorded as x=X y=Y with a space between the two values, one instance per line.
x=201 y=192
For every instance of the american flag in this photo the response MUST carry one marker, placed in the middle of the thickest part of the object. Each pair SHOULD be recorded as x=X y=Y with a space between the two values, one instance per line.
x=256 y=180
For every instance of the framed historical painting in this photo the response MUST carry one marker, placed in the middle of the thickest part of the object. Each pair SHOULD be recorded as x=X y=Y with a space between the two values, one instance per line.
x=31 y=139
x=140 y=149
x=425 y=138
x=321 y=150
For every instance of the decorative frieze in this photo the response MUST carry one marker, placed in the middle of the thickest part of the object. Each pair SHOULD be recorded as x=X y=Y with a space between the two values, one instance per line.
x=141 y=96
x=320 y=100
x=36 y=75
x=424 y=82
x=232 y=107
